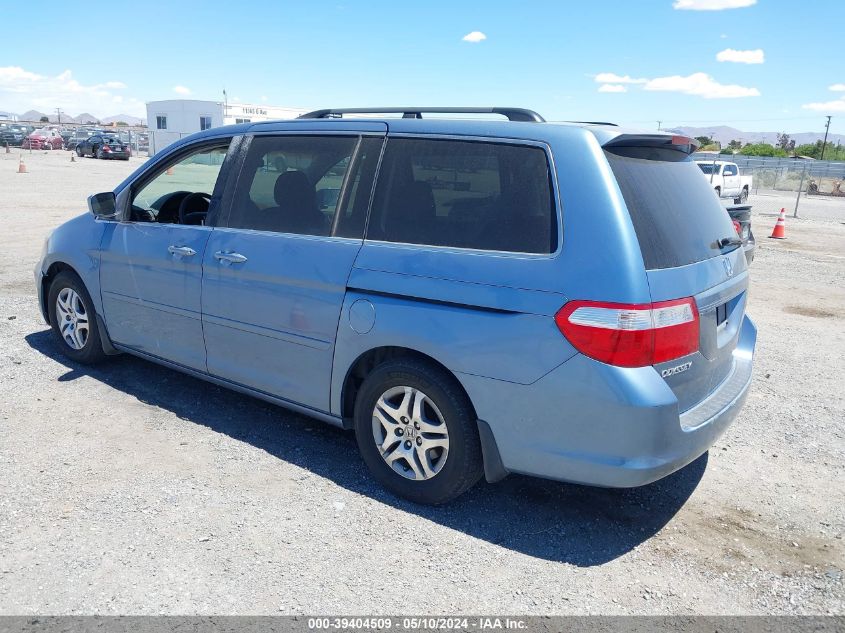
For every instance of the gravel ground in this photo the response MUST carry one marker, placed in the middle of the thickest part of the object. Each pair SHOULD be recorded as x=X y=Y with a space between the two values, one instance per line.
x=132 y=489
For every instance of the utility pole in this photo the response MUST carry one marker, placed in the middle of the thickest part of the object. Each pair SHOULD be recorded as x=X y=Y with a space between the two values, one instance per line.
x=824 y=142
x=59 y=115
x=658 y=125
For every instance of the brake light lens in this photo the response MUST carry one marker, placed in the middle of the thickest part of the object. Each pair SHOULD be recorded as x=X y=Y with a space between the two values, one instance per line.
x=631 y=335
x=106 y=148
x=737 y=227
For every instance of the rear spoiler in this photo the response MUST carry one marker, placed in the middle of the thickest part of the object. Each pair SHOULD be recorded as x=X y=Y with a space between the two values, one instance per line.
x=665 y=141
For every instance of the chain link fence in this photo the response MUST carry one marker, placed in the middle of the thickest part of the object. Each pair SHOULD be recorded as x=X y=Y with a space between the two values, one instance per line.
x=814 y=188
x=785 y=174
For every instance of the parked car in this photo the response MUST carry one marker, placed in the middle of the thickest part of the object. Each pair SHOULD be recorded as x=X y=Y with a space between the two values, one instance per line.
x=741 y=217
x=14 y=135
x=77 y=137
x=103 y=146
x=45 y=138
x=726 y=180
x=480 y=298
x=66 y=134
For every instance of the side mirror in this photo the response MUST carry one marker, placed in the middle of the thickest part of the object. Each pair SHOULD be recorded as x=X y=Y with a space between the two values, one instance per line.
x=103 y=205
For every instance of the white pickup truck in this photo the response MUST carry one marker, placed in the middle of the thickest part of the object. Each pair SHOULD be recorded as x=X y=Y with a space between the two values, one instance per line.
x=725 y=179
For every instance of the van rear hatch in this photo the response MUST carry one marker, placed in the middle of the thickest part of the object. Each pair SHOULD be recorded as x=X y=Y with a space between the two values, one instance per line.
x=690 y=249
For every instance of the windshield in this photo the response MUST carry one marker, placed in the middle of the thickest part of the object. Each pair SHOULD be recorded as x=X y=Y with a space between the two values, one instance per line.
x=708 y=168
x=677 y=218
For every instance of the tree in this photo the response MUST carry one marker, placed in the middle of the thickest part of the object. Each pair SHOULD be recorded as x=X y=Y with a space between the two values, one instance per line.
x=122 y=124
x=762 y=149
x=735 y=145
x=785 y=143
x=704 y=140
x=44 y=119
x=726 y=150
x=814 y=150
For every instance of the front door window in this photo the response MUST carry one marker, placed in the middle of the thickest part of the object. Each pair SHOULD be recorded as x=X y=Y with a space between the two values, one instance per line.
x=181 y=192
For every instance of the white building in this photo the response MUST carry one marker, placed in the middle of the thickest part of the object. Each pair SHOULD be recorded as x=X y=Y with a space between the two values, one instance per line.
x=170 y=120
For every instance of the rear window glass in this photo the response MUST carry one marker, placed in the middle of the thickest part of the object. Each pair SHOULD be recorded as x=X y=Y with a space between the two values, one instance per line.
x=487 y=196
x=677 y=217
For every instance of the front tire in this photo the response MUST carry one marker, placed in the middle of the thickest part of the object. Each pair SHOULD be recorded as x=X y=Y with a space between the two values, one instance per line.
x=73 y=320
x=79 y=151
x=417 y=431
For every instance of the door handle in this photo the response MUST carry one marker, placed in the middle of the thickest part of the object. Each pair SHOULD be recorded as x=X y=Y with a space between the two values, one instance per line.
x=181 y=251
x=231 y=258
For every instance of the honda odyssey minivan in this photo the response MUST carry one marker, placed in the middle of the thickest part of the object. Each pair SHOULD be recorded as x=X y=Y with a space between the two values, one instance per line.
x=472 y=297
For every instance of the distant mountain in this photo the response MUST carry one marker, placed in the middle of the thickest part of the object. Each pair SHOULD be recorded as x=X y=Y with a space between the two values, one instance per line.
x=725 y=134
x=126 y=118
x=31 y=115
x=84 y=118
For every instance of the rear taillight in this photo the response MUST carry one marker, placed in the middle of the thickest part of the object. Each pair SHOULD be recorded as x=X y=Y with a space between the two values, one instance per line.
x=631 y=335
x=737 y=227
x=106 y=148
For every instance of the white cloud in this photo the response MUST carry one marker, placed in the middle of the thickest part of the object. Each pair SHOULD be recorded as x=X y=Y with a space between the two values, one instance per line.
x=474 y=37
x=22 y=90
x=701 y=85
x=837 y=87
x=181 y=90
x=723 y=36
x=826 y=106
x=612 y=88
x=755 y=56
x=711 y=5
x=613 y=78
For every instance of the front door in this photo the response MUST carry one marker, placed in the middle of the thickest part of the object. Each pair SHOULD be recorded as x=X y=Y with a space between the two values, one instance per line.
x=731 y=180
x=275 y=272
x=151 y=263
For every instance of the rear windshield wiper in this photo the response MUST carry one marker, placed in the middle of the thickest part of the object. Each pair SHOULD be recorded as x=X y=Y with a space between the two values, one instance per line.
x=729 y=241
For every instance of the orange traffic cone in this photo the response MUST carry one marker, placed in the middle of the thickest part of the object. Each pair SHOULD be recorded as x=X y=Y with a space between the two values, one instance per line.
x=21 y=167
x=779 y=232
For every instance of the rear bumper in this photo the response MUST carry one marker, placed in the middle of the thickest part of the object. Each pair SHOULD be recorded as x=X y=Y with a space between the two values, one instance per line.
x=591 y=423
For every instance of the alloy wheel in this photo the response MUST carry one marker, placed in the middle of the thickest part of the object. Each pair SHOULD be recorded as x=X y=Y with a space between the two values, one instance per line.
x=410 y=433
x=72 y=318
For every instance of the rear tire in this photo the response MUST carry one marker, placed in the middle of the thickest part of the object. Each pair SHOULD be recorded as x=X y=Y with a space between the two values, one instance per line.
x=743 y=197
x=718 y=191
x=95 y=152
x=433 y=448
x=78 y=151
x=73 y=320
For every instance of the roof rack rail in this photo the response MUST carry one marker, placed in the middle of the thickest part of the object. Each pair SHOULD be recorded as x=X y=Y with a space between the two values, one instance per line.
x=594 y=123
x=512 y=114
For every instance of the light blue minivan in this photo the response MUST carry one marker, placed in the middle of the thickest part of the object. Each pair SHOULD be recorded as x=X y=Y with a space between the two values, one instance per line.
x=473 y=297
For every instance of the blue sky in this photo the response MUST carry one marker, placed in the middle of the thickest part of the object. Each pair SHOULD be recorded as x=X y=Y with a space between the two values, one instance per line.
x=633 y=62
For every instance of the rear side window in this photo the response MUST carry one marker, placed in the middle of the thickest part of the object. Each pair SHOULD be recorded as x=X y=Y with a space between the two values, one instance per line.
x=307 y=185
x=677 y=217
x=488 y=196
